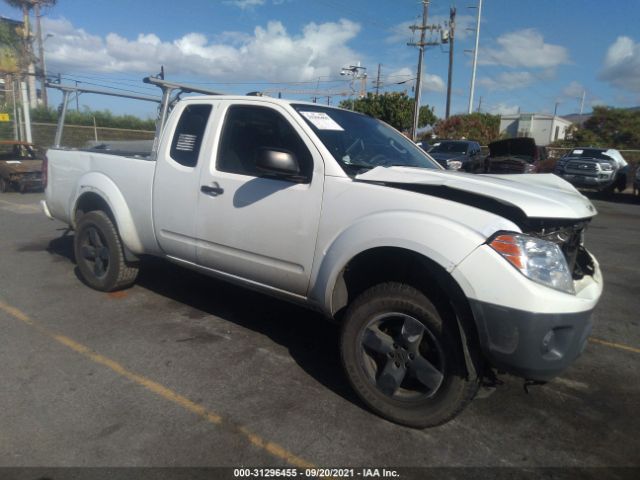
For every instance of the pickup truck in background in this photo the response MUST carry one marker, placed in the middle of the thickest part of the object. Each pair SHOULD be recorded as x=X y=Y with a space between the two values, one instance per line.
x=436 y=277
x=517 y=155
x=603 y=169
x=461 y=155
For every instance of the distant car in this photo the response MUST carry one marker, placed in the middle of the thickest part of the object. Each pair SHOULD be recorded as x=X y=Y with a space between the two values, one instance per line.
x=603 y=169
x=20 y=168
x=464 y=155
x=516 y=155
x=423 y=144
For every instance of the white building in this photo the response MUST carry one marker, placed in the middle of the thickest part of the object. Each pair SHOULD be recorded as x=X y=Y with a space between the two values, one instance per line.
x=544 y=129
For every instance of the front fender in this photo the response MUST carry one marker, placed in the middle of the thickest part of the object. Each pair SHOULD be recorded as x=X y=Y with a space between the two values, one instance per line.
x=103 y=186
x=438 y=238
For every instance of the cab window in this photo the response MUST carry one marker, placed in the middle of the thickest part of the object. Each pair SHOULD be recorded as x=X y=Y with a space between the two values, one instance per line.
x=187 y=139
x=248 y=130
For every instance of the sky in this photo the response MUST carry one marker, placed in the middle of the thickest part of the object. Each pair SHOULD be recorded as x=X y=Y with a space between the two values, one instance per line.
x=533 y=56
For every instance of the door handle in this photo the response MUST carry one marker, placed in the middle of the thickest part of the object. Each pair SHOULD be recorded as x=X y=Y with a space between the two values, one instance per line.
x=212 y=190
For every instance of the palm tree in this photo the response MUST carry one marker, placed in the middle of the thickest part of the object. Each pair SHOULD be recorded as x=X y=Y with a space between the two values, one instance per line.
x=26 y=6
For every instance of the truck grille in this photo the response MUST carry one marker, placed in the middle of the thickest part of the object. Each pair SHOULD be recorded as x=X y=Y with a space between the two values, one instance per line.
x=569 y=239
x=577 y=166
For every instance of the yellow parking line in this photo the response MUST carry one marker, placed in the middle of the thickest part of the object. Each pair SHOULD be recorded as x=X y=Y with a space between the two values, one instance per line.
x=22 y=205
x=160 y=390
x=614 y=345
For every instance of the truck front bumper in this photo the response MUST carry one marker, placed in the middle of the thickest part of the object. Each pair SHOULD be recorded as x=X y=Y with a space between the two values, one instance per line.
x=598 y=181
x=535 y=346
x=525 y=328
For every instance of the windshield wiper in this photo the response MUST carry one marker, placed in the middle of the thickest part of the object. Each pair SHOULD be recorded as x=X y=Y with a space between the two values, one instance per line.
x=360 y=165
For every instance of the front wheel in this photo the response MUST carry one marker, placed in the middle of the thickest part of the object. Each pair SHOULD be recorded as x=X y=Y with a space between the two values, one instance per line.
x=402 y=359
x=99 y=254
x=4 y=185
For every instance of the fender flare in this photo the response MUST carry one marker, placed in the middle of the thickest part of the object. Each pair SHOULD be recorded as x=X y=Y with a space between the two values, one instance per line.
x=101 y=185
x=435 y=237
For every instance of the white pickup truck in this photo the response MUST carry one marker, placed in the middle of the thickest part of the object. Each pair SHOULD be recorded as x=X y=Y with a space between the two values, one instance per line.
x=438 y=278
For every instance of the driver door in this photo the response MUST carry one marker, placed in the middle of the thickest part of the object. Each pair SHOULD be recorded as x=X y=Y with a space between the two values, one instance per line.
x=261 y=229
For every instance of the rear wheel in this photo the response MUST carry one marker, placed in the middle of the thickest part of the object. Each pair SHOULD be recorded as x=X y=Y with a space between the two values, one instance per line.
x=4 y=185
x=403 y=360
x=99 y=254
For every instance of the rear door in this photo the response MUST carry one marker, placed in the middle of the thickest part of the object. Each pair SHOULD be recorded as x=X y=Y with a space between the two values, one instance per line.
x=176 y=186
x=252 y=227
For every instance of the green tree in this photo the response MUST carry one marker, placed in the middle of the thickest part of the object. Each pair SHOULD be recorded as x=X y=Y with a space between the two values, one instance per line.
x=611 y=127
x=29 y=4
x=396 y=109
x=482 y=127
x=103 y=118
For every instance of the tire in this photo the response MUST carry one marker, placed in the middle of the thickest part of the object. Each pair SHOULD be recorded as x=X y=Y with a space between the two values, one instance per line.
x=99 y=254
x=4 y=185
x=391 y=324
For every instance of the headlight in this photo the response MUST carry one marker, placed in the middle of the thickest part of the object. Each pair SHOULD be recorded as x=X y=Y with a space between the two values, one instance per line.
x=606 y=167
x=454 y=164
x=540 y=260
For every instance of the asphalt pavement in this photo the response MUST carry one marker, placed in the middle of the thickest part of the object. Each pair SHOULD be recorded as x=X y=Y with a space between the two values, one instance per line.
x=182 y=370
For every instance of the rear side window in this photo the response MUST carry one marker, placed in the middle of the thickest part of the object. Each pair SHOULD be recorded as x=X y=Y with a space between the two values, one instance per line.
x=187 y=139
x=248 y=129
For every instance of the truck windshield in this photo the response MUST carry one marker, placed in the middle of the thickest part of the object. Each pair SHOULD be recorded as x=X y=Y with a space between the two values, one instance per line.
x=359 y=142
x=450 y=147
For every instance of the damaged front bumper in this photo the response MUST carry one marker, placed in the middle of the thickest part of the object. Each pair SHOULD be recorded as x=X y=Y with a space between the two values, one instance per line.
x=526 y=329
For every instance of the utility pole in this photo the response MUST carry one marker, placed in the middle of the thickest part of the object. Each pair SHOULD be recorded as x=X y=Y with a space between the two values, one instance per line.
x=421 y=44
x=77 y=99
x=416 y=105
x=584 y=93
x=378 y=80
x=555 y=109
x=43 y=67
x=356 y=72
x=475 y=57
x=452 y=29
x=479 y=104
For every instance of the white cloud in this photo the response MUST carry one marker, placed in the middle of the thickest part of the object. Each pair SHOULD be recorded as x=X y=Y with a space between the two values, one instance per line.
x=516 y=79
x=523 y=48
x=400 y=33
x=270 y=53
x=503 y=109
x=507 y=81
x=573 y=90
x=245 y=4
x=430 y=82
x=622 y=65
x=433 y=83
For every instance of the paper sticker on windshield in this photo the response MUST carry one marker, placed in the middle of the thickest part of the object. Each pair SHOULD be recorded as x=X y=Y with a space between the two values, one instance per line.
x=322 y=121
x=577 y=152
x=13 y=161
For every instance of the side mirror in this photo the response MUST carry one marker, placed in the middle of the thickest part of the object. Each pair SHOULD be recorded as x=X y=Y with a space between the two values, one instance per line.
x=279 y=163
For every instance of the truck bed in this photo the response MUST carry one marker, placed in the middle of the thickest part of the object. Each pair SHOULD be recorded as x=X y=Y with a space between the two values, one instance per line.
x=131 y=176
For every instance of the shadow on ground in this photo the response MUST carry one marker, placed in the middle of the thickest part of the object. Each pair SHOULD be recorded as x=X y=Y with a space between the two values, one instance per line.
x=311 y=339
x=617 y=197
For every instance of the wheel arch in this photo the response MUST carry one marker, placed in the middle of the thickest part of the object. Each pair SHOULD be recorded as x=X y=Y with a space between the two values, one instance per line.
x=98 y=192
x=386 y=264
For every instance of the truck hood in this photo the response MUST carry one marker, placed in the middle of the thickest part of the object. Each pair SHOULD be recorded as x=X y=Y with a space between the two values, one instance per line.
x=513 y=146
x=447 y=155
x=534 y=195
